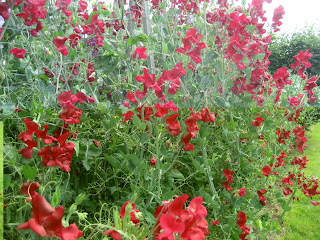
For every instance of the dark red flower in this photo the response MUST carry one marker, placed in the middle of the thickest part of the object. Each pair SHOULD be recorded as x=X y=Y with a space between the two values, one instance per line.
x=4 y=10
x=47 y=221
x=258 y=121
x=113 y=234
x=18 y=53
x=59 y=42
x=215 y=222
x=153 y=161
x=71 y=116
x=266 y=170
x=141 y=52
x=242 y=192
x=132 y=213
x=29 y=188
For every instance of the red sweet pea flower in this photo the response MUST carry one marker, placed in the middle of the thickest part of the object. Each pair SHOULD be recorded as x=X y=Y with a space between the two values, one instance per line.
x=242 y=192
x=18 y=53
x=59 y=42
x=141 y=52
x=4 y=10
x=215 y=222
x=127 y=116
x=132 y=213
x=153 y=161
x=287 y=191
x=228 y=174
x=173 y=125
x=113 y=234
x=262 y=199
x=161 y=110
x=242 y=225
x=266 y=170
x=258 y=121
x=190 y=222
x=206 y=115
x=73 y=39
x=47 y=221
x=71 y=116
x=29 y=188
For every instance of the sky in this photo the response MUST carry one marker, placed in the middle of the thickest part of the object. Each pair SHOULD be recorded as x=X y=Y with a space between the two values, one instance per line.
x=298 y=14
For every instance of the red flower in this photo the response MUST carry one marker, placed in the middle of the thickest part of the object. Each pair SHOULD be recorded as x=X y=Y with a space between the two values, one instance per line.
x=287 y=191
x=215 y=222
x=113 y=234
x=141 y=52
x=29 y=188
x=153 y=161
x=132 y=213
x=266 y=170
x=71 y=116
x=59 y=42
x=206 y=115
x=262 y=199
x=18 y=53
x=47 y=221
x=242 y=225
x=127 y=116
x=190 y=222
x=242 y=191
x=4 y=10
x=228 y=174
x=173 y=125
x=258 y=121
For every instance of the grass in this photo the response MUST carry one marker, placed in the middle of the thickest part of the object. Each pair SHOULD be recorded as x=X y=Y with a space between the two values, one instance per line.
x=1 y=180
x=302 y=222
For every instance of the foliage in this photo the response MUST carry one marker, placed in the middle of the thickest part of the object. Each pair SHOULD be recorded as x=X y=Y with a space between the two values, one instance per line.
x=285 y=46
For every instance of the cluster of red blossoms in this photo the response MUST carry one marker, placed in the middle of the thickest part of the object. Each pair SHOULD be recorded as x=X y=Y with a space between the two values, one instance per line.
x=18 y=53
x=301 y=139
x=257 y=121
x=187 y=223
x=191 y=122
x=192 y=37
x=115 y=234
x=60 y=154
x=228 y=174
x=242 y=225
x=172 y=220
x=46 y=221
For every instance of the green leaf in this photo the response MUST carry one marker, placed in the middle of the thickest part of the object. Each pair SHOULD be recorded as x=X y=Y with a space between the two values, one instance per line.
x=196 y=164
x=176 y=174
x=113 y=161
x=80 y=198
x=72 y=54
x=108 y=46
x=6 y=181
x=56 y=197
x=76 y=148
x=29 y=172
x=117 y=220
x=104 y=106
x=137 y=122
x=8 y=109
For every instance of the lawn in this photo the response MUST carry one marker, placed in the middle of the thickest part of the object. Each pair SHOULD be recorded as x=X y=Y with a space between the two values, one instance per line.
x=302 y=222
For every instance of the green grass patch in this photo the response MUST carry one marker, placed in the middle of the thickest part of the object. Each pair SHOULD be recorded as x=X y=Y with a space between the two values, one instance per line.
x=303 y=220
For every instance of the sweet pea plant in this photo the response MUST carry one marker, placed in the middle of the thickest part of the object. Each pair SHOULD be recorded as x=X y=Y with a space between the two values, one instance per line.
x=162 y=109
